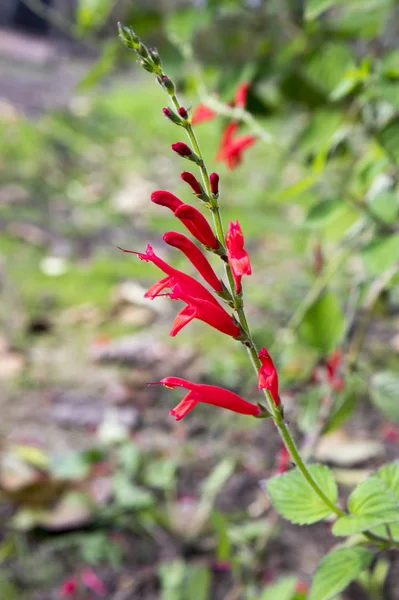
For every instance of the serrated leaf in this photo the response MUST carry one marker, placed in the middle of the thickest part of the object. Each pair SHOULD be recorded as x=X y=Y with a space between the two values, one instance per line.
x=380 y=254
x=323 y=324
x=370 y=504
x=389 y=474
x=384 y=393
x=283 y=589
x=295 y=500
x=337 y=570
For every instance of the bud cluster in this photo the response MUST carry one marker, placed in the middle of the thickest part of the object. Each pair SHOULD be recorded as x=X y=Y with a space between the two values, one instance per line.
x=148 y=58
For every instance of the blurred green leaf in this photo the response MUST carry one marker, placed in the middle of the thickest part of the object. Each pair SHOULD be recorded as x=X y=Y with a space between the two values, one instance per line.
x=381 y=253
x=323 y=211
x=389 y=474
x=337 y=570
x=324 y=323
x=92 y=14
x=363 y=18
x=370 y=504
x=388 y=137
x=197 y=582
x=296 y=501
x=160 y=473
x=221 y=524
x=327 y=66
x=217 y=478
x=283 y=589
x=129 y=457
x=102 y=67
x=320 y=130
x=129 y=495
x=314 y=8
x=385 y=206
x=384 y=393
x=171 y=574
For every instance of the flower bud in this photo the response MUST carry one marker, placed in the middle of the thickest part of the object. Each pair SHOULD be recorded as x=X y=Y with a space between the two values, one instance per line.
x=155 y=57
x=142 y=51
x=172 y=116
x=168 y=85
x=192 y=182
x=182 y=149
x=129 y=38
x=147 y=66
x=214 y=181
x=183 y=113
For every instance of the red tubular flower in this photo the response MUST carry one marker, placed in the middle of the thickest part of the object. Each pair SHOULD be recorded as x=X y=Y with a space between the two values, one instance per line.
x=202 y=113
x=192 y=182
x=267 y=377
x=164 y=198
x=333 y=364
x=195 y=256
x=237 y=255
x=231 y=149
x=188 y=284
x=182 y=149
x=200 y=308
x=197 y=225
x=240 y=98
x=209 y=394
x=283 y=460
x=68 y=587
x=214 y=181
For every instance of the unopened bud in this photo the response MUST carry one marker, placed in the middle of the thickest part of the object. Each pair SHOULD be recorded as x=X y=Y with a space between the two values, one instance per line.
x=169 y=114
x=182 y=149
x=168 y=85
x=192 y=182
x=146 y=65
x=155 y=57
x=214 y=181
x=143 y=52
x=129 y=38
x=183 y=113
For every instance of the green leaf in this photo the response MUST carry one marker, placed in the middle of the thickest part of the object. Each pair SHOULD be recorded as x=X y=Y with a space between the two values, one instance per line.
x=129 y=495
x=92 y=14
x=171 y=575
x=318 y=134
x=322 y=212
x=370 y=504
x=363 y=18
x=323 y=324
x=389 y=474
x=314 y=8
x=385 y=205
x=102 y=67
x=295 y=500
x=283 y=589
x=337 y=570
x=389 y=139
x=384 y=392
x=327 y=65
x=197 y=582
x=381 y=253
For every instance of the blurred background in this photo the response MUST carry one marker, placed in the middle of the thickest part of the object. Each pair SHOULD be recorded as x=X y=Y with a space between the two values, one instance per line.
x=102 y=493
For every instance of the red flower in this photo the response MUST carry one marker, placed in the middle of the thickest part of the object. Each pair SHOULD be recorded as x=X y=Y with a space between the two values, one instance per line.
x=231 y=149
x=202 y=113
x=93 y=582
x=165 y=198
x=333 y=365
x=267 y=377
x=195 y=256
x=68 y=587
x=192 y=182
x=200 y=303
x=238 y=257
x=191 y=217
x=197 y=225
x=210 y=394
x=240 y=98
x=200 y=308
x=283 y=460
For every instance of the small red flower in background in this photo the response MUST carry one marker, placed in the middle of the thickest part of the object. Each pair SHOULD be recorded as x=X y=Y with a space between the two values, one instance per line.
x=209 y=394
x=333 y=365
x=238 y=257
x=68 y=587
x=231 y=148
x=202 y=113
x=267 y=377
x=283 y=460
x=93 y=582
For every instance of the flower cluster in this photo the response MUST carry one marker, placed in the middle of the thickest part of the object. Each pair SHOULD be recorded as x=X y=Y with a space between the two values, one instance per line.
x=200 y=302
